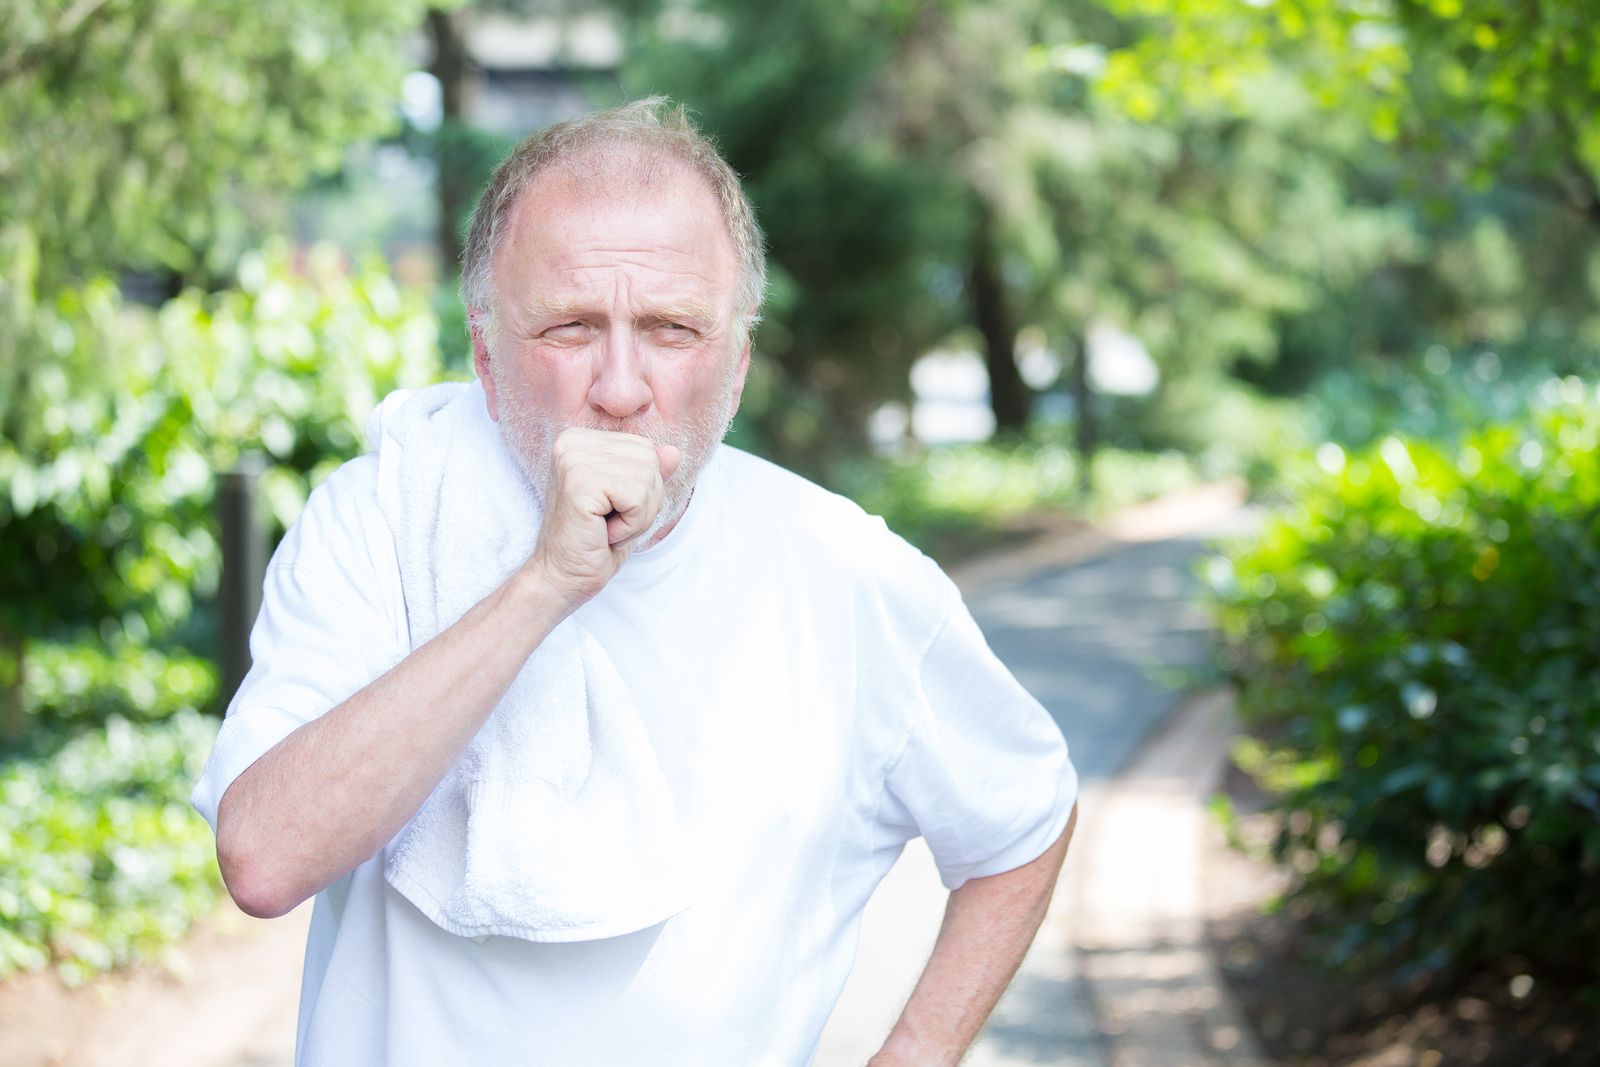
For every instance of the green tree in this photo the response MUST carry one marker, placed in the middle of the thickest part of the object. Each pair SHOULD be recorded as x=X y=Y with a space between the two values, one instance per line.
x=138 y=131
x=1039 y=204
x=1508 y=91
x=1200 y=233
x=864 y=243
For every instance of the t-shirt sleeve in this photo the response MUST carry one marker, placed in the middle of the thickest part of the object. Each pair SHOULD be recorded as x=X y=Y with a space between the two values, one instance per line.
x=326 y=628
x=984 y=775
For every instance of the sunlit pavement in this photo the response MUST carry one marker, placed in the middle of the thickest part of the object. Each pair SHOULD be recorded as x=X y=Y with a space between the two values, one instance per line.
x=1115 y=976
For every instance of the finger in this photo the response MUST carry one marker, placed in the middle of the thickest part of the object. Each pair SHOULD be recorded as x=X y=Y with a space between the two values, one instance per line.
x=624 y=527
x=669 y=457
x=618 y=530
x=633 y=508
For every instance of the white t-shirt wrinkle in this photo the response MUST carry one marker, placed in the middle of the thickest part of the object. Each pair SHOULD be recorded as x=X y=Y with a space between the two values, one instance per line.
x=817 y=694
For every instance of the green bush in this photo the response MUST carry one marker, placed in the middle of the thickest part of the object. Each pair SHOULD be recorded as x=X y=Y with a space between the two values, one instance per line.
x=1442 y=396
x=108 y=450
x=90 y=682
x=101 y=858
x=1417 y=643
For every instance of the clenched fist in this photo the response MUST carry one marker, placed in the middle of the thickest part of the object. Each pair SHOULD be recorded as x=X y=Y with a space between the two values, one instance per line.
x=605 y=489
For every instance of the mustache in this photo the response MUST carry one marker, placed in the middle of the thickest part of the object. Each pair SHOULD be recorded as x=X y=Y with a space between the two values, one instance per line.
x=652 y=430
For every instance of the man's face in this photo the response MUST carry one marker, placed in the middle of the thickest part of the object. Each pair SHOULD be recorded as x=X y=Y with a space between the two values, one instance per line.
x=616 y=311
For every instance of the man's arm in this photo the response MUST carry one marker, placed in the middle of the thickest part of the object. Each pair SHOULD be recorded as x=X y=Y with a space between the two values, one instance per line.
x=988 y=925
x=330 y=795
x=326 y=798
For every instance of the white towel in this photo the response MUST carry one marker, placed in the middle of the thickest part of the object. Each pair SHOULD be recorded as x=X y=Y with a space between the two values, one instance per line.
x=556 y=823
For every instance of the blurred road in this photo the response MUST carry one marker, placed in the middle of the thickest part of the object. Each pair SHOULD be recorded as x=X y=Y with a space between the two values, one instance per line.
x=1091 y=638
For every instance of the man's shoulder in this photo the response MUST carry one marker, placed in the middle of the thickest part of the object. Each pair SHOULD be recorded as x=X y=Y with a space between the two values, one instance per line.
x=341 y=515
x=764 y=490
x=833 y=531
x=752 y=473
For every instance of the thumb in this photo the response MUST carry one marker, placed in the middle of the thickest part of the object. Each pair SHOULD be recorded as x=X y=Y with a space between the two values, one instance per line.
x=669 y=457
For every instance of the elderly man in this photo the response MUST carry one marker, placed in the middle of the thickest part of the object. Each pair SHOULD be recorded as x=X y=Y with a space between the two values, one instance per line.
x=590 y=735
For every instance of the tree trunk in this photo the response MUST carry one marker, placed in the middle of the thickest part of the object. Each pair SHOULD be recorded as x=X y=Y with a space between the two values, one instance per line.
x=1085 y=430
x=1009 y=396
x=451 y=185
x=15 y=714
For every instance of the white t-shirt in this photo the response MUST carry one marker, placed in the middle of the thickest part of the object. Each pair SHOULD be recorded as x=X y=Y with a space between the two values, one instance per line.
x=816 y=693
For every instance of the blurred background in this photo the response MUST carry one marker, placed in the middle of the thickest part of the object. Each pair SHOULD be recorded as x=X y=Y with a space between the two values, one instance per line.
x=1033 y=262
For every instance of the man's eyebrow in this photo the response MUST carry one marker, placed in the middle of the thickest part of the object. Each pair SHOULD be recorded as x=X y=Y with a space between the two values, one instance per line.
x=562 y=308
x=689 y=309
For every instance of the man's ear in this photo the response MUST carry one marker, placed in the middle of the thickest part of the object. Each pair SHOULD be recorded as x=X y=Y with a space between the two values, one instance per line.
x=741 y=374
x=482 y=360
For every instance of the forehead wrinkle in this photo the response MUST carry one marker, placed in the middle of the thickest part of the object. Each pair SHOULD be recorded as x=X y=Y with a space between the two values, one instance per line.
x=662 y=261
x=583 y=287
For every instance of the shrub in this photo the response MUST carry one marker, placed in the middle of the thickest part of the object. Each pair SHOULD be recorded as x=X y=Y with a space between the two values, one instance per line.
x=1442 y=396
x=1418 y=643
x=89 y=682
x=101 y=857
x=108 y=450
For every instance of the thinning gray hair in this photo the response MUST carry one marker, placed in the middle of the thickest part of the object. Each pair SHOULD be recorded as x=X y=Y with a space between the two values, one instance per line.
x=656 y=128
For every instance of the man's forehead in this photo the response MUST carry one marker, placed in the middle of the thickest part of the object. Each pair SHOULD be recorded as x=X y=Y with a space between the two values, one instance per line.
x=668 y=226
x=605 y=179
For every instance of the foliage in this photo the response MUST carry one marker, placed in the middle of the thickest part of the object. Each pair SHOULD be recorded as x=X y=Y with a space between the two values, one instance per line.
x=108 y=465
x=863 y=243
x=1462 y=137
x=135 y=133
x=291 y=363
x=955 y=500
x=1199 y=235
x=62 y=448
x=1416 y=641
x=89 y=683
x=1442 y=397
x=101 y=858
x=1504 y=89
x=910 y=138
x=1226 y=428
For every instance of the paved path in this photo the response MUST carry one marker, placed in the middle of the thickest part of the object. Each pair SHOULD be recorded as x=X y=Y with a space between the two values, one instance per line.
x=1091 y=635
x=1085 y=639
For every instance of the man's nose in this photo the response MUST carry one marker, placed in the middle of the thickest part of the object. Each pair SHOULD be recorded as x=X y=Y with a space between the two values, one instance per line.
x=620 y=387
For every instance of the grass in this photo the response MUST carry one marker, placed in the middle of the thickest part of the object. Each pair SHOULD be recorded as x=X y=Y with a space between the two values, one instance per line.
x=956 y=501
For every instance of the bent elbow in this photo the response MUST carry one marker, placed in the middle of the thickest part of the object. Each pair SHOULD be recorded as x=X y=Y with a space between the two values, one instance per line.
x=256 y=884
x=261 y=905
x=253 y=890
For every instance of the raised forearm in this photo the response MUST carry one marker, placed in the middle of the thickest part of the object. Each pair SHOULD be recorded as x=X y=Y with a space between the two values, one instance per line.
x=988 y=925
x=331 y=794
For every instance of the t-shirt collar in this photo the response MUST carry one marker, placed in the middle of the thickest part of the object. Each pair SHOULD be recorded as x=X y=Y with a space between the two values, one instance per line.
x=658 y=558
